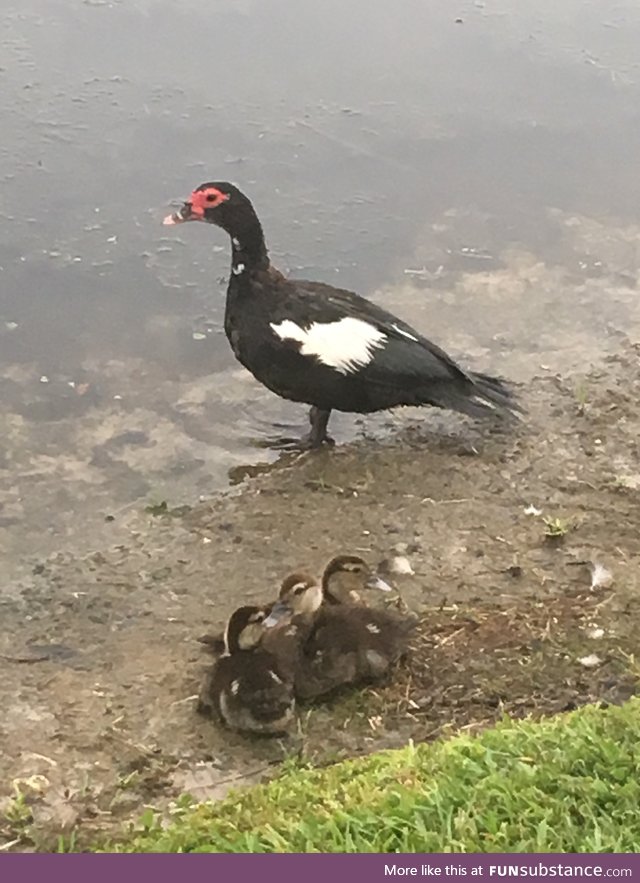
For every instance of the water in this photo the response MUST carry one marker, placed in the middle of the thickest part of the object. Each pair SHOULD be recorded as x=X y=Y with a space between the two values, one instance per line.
x=472 y=166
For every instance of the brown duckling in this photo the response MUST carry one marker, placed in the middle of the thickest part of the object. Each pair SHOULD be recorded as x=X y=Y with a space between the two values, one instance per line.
x=340 y=641
x=343 y=581
x=347 y=578
x=249 y=688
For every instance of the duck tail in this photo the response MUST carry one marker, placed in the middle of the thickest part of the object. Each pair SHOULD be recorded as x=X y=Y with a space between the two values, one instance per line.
x=479 y=395
x=496 y=394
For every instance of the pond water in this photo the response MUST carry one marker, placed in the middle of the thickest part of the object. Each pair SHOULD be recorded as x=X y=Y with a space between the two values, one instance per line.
x=473 y=166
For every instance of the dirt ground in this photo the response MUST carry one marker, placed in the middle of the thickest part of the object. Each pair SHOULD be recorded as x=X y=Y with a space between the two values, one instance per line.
x=101 y=663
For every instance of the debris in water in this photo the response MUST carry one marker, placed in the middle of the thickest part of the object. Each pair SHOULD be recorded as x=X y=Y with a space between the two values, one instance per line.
x=198 y=335
x=422 y=272
x=160 y=508
x=44 y=379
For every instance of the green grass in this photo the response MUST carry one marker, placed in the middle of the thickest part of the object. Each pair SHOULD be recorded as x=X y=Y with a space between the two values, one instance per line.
x=570 y=783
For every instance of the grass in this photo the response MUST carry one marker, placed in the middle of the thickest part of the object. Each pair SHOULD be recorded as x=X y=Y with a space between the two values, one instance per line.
x=554 y=528
x=569 y=783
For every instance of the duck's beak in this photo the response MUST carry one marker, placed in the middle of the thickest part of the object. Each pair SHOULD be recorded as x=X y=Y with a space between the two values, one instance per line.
x=186 y=213
x=375 y=582
x=278 y=612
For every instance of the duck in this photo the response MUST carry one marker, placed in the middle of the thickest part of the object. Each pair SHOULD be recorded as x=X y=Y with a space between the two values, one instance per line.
x=340 y=640
x=342 y=582
x=249 y=688
x=347 y=578
x=327 y=347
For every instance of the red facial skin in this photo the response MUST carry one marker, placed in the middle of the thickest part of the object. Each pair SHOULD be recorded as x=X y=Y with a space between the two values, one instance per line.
x=195 y=207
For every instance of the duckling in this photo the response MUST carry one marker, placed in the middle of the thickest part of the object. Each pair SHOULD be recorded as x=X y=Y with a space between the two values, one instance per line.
x=346 y=576
x=343 y=580
x=341 y=641
x=249 y=688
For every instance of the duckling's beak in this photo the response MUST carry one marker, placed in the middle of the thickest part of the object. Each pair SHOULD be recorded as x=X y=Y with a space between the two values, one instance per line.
x=278 y=612
x=375 y=582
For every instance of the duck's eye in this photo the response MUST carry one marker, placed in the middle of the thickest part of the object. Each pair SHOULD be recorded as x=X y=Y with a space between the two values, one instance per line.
x=299 y=590
x=211 y=197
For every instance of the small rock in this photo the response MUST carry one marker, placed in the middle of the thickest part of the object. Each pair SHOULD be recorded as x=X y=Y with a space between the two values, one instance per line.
x=595 y=633
x=399 y=565
x=590 y=661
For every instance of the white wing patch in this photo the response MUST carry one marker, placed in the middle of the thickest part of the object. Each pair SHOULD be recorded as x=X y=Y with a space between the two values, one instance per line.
x=404 y=333
x=373 y=628
x=235 y=686
x=237 y=269
x=345 y=345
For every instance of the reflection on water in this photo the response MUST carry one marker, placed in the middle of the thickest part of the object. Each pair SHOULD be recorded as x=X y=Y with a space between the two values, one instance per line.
x=472 y=165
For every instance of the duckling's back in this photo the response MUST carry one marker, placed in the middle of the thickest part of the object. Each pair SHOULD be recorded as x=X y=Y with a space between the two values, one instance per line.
x=349 y=644
x=250 y=692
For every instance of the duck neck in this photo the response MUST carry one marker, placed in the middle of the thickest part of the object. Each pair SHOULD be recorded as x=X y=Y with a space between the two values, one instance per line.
x=248 y=248
x=328 y=596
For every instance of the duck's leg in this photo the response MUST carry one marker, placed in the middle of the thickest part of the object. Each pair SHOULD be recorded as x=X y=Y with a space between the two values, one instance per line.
x=314 y=439
x=318 y=434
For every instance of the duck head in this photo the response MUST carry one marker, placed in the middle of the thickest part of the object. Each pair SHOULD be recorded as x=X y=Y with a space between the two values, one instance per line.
x=245 y=629
x=345 y=578
x=216 y=202
x=300 y=595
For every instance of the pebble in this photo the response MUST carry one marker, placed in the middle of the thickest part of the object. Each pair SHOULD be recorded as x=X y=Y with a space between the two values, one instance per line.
x=590 y=661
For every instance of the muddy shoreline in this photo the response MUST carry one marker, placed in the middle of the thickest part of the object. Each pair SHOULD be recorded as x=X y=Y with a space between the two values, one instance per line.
x=101 y=663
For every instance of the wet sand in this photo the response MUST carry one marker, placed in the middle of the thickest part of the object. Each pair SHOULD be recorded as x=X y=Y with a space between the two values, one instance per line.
x=100 y=654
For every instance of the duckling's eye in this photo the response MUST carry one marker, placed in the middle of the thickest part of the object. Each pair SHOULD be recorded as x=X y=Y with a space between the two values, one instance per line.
x=299 y=590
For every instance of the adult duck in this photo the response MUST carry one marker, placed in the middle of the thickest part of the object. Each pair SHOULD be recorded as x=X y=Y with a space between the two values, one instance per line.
x=324 y=346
